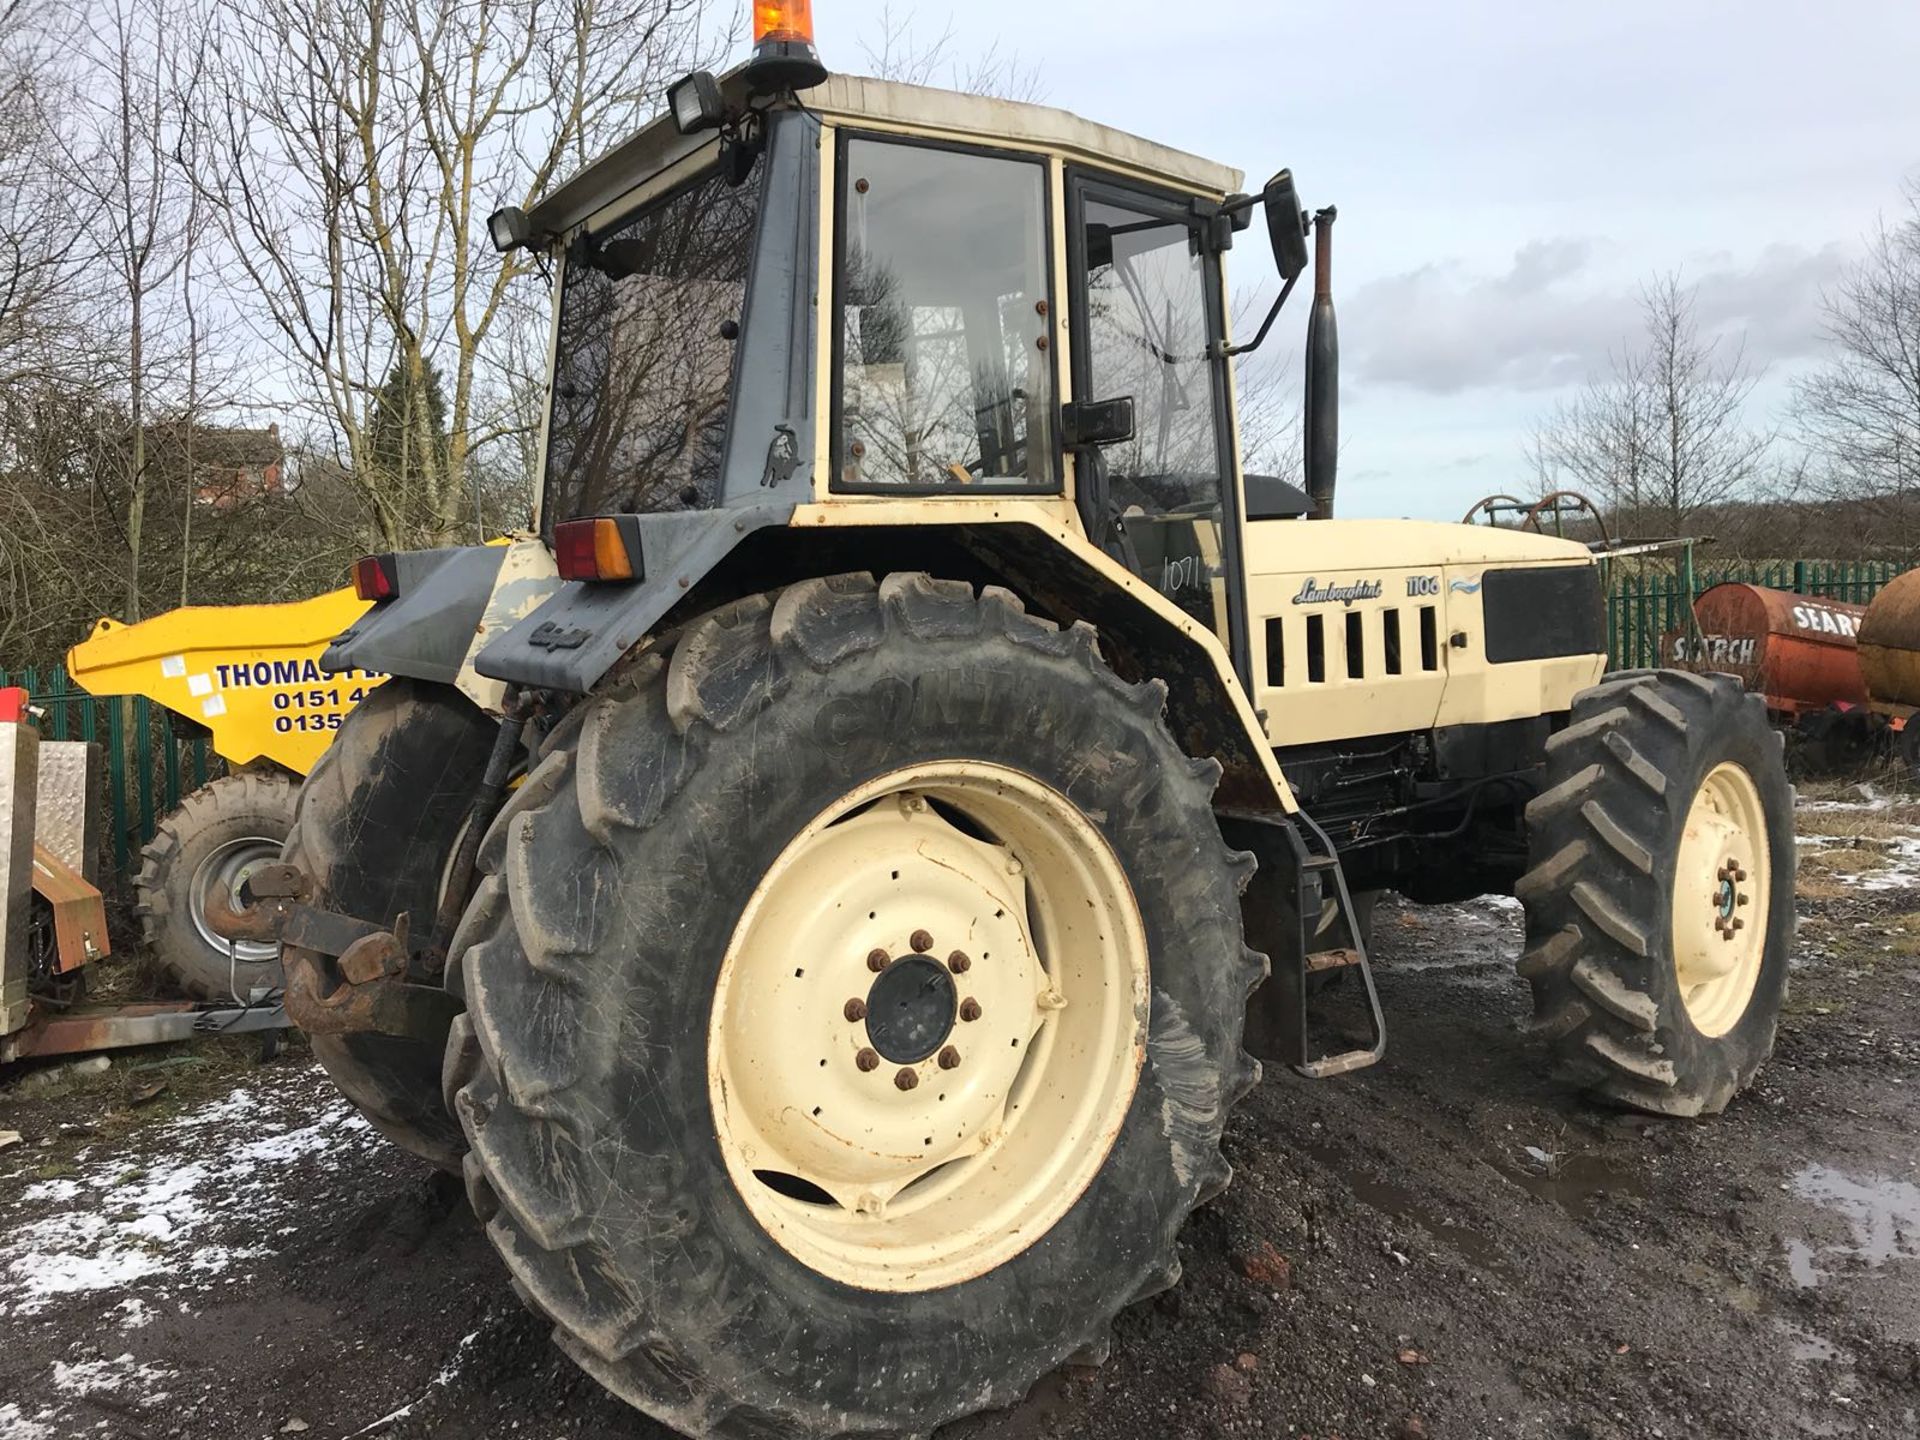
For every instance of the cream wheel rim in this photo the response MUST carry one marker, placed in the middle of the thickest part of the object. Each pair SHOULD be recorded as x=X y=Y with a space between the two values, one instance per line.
x=928 y=1026
x=1721 y=894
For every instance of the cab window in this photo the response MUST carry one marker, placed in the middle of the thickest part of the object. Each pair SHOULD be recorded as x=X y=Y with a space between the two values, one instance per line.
x=1146 y=322
x=943 y=333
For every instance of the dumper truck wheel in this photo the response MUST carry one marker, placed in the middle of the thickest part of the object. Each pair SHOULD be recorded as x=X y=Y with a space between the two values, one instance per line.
x=208 y=846
x=378 y=819
x=853 y=1009
x=1660 y=895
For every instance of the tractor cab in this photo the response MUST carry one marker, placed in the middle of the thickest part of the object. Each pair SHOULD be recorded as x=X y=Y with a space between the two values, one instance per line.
x=881 y=293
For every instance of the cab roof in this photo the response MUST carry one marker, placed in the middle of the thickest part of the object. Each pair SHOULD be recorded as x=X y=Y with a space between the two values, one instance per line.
x=853 y=99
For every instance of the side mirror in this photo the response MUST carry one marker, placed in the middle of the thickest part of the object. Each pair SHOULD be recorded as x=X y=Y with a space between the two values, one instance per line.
x=1096 y=422
x=1286 y=224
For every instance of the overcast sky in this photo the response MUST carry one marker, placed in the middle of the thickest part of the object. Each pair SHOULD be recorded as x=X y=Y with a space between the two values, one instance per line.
x=1507 y=175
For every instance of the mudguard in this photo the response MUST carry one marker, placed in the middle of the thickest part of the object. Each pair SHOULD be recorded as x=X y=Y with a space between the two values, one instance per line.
x=425 y=630
x=581 y=630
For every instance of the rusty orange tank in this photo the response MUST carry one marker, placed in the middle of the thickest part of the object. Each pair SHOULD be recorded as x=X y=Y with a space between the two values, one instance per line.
x=1890 y=645
x=1799 y=651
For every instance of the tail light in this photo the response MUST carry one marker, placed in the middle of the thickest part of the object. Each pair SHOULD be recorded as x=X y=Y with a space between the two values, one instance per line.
x=376 y=577
x=605 y=548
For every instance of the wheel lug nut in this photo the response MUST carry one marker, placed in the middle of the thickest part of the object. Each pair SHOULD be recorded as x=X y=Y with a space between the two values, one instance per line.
x=921 y=941
x=969 y=1009
x=907 y=1079
x=949 y=1058
x=856 y=1009
x=878 y=960
x=959 y=963
x=868 y=1060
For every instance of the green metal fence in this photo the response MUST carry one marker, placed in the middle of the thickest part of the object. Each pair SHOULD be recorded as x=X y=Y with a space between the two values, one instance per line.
x=149 y=765
x=1643 y=607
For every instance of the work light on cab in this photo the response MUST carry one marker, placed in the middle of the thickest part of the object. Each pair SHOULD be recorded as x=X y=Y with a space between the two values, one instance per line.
x=783 y=53
x=696 y=103
x=376 y=577
x=508 y=228
x=604 y=548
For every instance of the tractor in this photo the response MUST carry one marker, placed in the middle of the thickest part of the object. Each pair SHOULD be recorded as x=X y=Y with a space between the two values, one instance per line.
x=930 y=777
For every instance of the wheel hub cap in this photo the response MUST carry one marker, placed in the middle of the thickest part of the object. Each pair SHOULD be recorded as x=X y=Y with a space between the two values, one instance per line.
x=1720 y=899
x=911 y=1009
x=928 y=1026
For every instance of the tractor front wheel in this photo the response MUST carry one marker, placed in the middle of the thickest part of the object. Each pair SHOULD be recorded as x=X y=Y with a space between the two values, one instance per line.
x=1660 y=895
x=854 y=1005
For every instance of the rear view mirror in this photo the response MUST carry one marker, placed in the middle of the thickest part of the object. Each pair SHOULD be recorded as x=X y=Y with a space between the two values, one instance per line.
x=1286 y=224
x=1096 y=422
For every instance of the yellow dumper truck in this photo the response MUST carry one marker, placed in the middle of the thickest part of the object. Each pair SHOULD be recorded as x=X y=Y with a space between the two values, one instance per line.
x=250 y=675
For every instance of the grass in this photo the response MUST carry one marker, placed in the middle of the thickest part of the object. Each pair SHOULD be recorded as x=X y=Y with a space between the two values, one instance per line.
x=1862 y=826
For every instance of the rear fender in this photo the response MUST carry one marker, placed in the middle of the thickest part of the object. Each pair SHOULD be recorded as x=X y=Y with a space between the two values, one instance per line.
x=451 y=605
x=579 y=631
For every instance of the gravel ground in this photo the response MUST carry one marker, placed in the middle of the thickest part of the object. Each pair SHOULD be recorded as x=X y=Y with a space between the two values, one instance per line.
x=1446 y=1245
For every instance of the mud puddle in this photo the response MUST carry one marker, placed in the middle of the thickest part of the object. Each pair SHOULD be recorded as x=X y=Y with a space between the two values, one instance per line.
x=1881 y=1216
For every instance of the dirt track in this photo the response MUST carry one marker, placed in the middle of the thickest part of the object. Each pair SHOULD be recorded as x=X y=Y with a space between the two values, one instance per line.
x=1447 y=1245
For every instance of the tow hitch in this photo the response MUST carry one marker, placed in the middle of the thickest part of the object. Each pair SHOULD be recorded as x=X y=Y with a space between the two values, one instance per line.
x=343 y=975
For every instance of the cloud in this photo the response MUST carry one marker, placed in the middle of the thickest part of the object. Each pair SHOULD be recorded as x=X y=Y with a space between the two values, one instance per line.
x=1551 y=319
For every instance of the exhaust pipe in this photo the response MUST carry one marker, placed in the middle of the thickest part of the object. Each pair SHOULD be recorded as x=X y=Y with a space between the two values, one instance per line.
x=1322 y=409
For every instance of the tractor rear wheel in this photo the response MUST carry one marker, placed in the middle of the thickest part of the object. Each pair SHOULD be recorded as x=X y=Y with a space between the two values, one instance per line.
x=208 y=846
x=1660 y=895
x=854 y=1005
x=378 y=820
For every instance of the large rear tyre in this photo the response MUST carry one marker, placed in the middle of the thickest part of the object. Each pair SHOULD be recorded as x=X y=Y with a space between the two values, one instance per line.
x=378 y=820
x=1660 y=895
x=854 y=1005
x=208 y=846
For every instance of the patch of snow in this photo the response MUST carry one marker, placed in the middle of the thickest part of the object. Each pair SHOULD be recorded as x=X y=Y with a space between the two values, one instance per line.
x=15 y=1424
x=69 y=1252
x=1901 y=872
x=219 y=1169
x=50 y=1192
x=134 y=1314
x=1869 y=797
x=94 y=1377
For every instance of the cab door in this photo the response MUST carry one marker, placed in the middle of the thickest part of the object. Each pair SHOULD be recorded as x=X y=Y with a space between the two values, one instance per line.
x=1146 y=312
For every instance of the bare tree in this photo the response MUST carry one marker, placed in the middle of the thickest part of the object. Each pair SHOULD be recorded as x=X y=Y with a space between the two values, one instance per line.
x=140 y=58
x=899 y=51
x=364 y=143
x=1664 y=436
x=1859 y=414
x=39 y=224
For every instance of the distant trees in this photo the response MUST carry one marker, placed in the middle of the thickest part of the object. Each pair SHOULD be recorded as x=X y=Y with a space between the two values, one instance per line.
x=1664 y=435
x=361 y=147
x=1859 y=412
